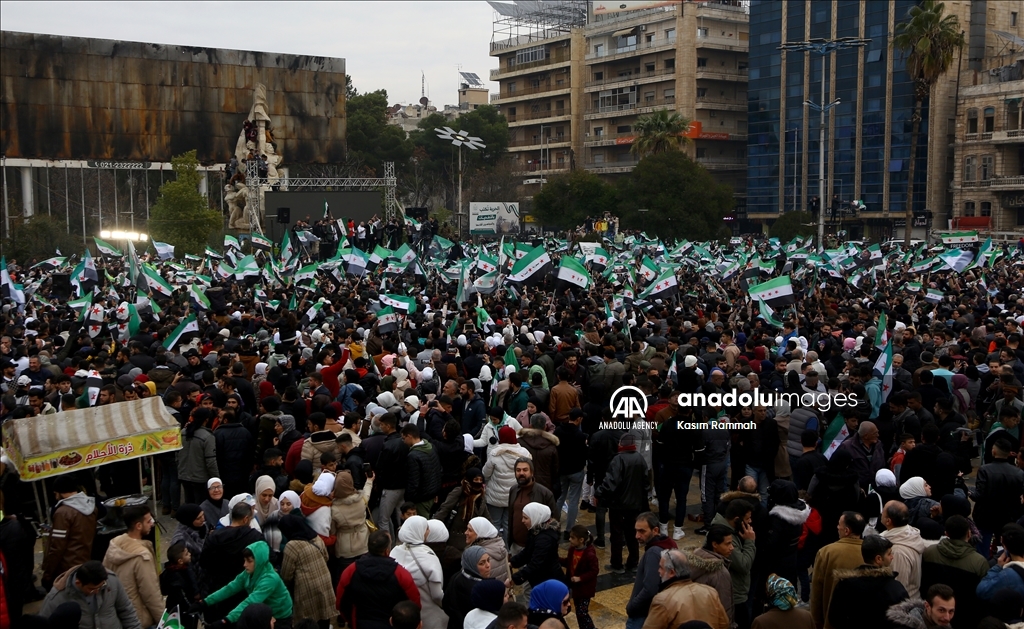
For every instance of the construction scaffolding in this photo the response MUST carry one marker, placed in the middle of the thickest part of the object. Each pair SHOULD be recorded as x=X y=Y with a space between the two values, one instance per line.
x=524 y=21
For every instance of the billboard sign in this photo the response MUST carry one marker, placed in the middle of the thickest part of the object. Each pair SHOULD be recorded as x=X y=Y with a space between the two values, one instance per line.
x=602 y=7
x=493 y=218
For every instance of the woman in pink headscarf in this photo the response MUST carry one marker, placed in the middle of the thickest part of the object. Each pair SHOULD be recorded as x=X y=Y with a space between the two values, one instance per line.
x=962 y=401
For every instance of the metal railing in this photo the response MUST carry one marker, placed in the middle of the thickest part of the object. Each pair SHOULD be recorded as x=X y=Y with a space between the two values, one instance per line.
x=560 y=56
x=722 y=74
x=632 y=77
x=537 y=115
x=528 y=91
x=710 y=41
x=630 y=107
x=657 y=42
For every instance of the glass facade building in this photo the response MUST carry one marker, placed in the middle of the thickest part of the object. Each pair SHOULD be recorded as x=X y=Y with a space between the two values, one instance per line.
x=868 y=133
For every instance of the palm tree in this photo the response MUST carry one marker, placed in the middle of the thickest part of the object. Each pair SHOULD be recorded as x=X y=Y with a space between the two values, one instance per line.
x=928 y=38
x=659 y=132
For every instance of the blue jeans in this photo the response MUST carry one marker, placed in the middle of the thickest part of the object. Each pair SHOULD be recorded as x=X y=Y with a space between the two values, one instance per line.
x=713 y=483
x=635 y=623
x=572 y=488
x=761 y=477
x=672 y=477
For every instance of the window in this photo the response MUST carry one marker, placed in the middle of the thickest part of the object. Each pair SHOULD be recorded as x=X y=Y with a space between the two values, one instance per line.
x=625 y=128
x=598 y=158
x=649 y=38
x=702 y=31
x=649 y=67
x=987 y=164
x=702 y=92
x=968 y=208
x=648 y=97
x=874 y=56
x=670 y=34
x=670 y=64
x=599 y=76
x=702 y=153
x=1013 y=18
x=535 y=83
x=990 y=119
x=529 y=55
x=625 y=44
x=972 y=121
x=670 y=95
x=598 y=131
x=512 y=87
x=598 y=50
x=986 y=208
x=559 y=104
x=702 y=62
x=970 y=168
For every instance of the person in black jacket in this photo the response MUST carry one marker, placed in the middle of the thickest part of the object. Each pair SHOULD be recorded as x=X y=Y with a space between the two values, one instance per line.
x=673 y=458
x=786 y=517
x=538 y=561
x=862 y=596
x=354 y=457
x=235 y=448
x=572 y=459
x=222 y=559
x=603 y=446
x=179 y=584
x=390 y=474
x=451 y=451
x=996 y=494
x=624 y=492
x=423 y=471
x=371 y=587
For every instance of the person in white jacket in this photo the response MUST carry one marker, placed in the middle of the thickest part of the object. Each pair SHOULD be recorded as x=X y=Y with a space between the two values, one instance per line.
x=497 y=419
x=907 y=546
x=415 y=556
x=500 y=475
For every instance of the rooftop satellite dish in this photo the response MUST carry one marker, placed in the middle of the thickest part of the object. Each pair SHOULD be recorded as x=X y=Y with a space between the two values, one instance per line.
x=424 y=101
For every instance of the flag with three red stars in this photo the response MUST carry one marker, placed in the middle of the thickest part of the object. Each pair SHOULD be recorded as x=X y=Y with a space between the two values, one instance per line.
x=776 y=293
x=571 y=271
x=94 y=320
x=665 y=286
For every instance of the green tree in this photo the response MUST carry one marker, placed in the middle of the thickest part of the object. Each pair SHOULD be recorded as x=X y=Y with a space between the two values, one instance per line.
x=928 y=38
x=659 y=132
x=567 y=200
x=682 y=199
x=371 y=140
x=39 y=237
x=181 y=215
x=793 y=224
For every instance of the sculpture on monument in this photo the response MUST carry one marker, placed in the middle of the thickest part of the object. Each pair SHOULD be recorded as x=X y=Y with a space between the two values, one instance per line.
x=255 y=142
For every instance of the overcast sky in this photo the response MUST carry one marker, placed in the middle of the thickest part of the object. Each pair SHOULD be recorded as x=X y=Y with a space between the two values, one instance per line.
x=384 y=44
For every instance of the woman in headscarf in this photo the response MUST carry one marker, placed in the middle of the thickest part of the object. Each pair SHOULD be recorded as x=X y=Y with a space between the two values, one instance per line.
x=783 y=612
x=197 y=459
x=414 y=555
x=259 y=374
x=486 y=598
x=449 y=556
x=214 y=507
x=480 y=532
x=962 y=401
x=549 y=599
x=786 y=517
x=538 y=561
x=304 y=570
x=192 y=529
x=315 y=504
x=287 y=503
x=461 y=505
x=348 y=518
x=266 y=503
x=476 y=566
x=225 y=521
x=916 y=494
x=833 y=490
x=885 y=489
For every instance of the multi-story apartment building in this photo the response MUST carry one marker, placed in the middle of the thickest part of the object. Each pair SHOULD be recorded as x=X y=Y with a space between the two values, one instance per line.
x=867 y=149
x=688 y=57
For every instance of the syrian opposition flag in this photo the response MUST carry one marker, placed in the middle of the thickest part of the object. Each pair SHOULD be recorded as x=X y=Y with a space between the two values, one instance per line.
x=387 y=320
x=486 y=263
x=532 y=267
x=571 y=271
x=598 y=258
x=486 y=284
x=85 y=271
x=404 y=304
x=379 y=255
x=50 y=264
x=664 y=287
x=213 y=254
x=8 y=288
x=959 y=238
x=776 y=293
x=164 y=251
x=260 y=243
x=80 y=303
x=225 y=270
x=288 y=250
x=405 y=254
x=648 y=269
x=247 y=267
x=128 y=315
x=933 y=296
x=882 y=334
x=883 y=370
x=314 y=310
x=306 y=273
x=107 y=249
x=923 y=265
x=483 y=319
x=956 y=259
x=198 y=297
x=156 y=282
x=94 y=319
x=355 y=261
x=230 y=242
x=768 y=314
x=170 y=620
x=913 y=287
x=188 y=326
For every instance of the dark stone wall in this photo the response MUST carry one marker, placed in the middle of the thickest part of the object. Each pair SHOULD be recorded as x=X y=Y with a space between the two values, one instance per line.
x=81 y=98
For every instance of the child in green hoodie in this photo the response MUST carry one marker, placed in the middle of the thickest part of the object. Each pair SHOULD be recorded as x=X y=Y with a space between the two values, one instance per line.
x=260 y=582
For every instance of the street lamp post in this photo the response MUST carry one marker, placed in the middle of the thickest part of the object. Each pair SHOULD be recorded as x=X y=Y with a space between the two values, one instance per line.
x=458 y=139
x=823 y=47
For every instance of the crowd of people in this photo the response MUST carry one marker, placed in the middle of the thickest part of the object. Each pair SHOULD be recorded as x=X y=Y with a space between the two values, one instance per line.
x=434 y=475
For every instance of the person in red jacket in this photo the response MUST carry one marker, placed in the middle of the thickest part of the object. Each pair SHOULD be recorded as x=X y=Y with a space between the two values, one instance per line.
x=371 y=587
x=581 y=569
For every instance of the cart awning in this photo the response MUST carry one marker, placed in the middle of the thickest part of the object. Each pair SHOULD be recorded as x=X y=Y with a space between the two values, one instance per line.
x=50 y=445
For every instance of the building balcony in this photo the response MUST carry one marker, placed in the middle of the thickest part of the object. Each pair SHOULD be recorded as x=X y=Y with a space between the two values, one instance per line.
x=720 y=104
x=723 y=163
x=725 y=10
x=519 y=119
x=643 y=47
x=1007 y=183
x=722 y=74
x=635 y=79
x=610 y=139
x=519 y=69
x=977 y=137
x=542 y=168
x=537 y=143
x=629 y=109
x=1013 y=136
x=506 y=97
x=608 y=168
x=717 y=42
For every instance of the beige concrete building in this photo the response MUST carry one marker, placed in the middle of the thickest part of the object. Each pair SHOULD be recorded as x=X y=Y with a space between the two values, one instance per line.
x=689 y=58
